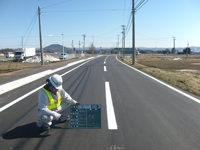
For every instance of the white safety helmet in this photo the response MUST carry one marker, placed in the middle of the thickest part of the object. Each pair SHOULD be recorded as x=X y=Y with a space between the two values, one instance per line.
x=56 y=81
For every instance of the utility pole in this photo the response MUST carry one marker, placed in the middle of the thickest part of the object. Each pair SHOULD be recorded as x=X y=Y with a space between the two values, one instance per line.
x=22 y=43
x=174 y=45
x=123 y=39
x=133 y=32
x=187 y=49
x=118 y=44
x=118 y=41
x=84 y=41
x=122 y=43
x=79 y=44
x=40 y=36
x=63 y=43
x=72 y=46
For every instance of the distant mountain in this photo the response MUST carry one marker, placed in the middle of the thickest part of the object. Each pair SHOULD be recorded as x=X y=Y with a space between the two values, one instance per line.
x=59 y=48
x=56 y=48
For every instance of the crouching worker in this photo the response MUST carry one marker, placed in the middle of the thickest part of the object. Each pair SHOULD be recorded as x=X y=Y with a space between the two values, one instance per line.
x=53 y=102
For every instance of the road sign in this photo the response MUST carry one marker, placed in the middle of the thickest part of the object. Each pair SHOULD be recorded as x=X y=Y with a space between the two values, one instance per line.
x=85 y=116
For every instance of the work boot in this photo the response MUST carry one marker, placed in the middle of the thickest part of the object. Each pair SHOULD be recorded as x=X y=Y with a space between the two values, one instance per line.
x=45 y=128
x=63 y=118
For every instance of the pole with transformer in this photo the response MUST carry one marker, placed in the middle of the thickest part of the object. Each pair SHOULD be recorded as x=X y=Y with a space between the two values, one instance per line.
x=139 y=5
x=40 y=36
x=133 y=32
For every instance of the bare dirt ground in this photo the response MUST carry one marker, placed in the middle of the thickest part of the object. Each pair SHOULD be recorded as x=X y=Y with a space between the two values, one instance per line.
x=179 y=70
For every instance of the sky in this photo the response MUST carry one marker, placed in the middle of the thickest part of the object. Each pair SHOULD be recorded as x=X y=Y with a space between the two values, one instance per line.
x=156 y=23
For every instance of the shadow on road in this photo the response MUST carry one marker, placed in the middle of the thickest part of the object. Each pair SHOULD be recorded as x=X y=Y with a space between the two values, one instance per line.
x=26 y=131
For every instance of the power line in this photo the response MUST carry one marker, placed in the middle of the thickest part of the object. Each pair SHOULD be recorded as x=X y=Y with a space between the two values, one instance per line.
x=30 y=28
x=86 y=10
x=129 y=24
x=140 y=5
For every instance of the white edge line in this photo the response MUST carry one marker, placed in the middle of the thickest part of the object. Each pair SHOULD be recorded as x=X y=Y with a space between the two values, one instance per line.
x=75 y=68
x=26 y=80
x=23 y=81
x=112 y=124
x=33 y=91
x=19 y=99
x=161 y=82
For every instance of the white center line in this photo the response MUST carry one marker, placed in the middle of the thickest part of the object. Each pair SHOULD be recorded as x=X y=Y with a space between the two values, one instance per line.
x=112 y=124
x=105 y=69
x=106 y=59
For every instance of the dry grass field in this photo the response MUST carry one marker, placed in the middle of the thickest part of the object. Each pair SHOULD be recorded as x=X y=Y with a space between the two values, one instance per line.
x=178 y=70
x=9 y=66
x=6 y=67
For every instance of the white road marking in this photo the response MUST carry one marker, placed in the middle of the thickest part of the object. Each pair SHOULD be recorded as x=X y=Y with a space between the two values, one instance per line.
x=106 y=59
x=20 y=98
x=26 y=80
x=112 y=124
x=105 y=69
x=33 y=91
x=23 y=81
x=161 y=82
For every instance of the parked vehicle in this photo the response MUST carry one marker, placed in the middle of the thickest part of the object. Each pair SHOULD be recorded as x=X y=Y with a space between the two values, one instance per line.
x=63 y=56
x=25 y=53
x=138 y=53
x=9 y=55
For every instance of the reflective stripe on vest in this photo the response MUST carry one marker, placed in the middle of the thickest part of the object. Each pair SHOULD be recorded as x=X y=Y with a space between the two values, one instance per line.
x=53 y=104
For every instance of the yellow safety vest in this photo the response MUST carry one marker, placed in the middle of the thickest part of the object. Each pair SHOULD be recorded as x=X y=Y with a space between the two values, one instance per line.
x=53 y=104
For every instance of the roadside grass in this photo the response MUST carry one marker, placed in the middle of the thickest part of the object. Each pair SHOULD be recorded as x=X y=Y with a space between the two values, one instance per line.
x=6 y=67
x=182 y=73
x=11 y=66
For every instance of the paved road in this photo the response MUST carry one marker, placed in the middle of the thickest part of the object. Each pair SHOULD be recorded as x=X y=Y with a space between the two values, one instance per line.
x=147 y=115
x=8 y=77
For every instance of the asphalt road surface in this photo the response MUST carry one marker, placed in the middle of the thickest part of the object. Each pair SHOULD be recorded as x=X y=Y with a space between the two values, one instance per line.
x=138 y=113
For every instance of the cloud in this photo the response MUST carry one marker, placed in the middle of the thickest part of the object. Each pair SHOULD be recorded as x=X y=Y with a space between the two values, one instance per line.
x=50 y=35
